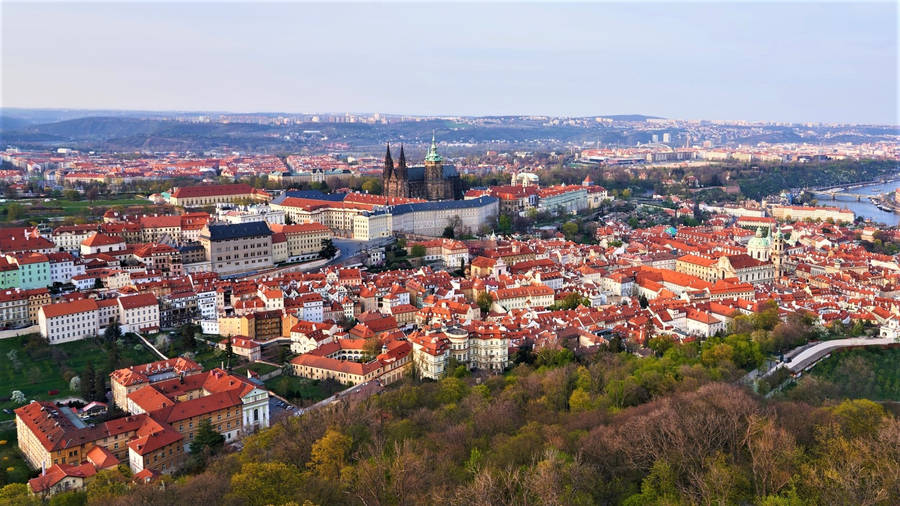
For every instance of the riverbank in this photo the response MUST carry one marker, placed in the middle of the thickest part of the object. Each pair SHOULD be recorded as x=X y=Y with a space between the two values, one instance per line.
x=877 y=204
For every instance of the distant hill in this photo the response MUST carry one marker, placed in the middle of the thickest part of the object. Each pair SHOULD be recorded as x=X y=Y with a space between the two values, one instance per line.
x=97 y=128
x=13 y=123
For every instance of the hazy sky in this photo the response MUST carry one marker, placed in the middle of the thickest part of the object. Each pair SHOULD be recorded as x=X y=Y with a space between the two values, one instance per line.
x=759 y=61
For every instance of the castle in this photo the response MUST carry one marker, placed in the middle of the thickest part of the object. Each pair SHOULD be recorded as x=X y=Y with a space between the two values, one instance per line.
x=432 y=181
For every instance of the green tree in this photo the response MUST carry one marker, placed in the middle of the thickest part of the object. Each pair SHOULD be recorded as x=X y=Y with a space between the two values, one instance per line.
x=859 y=416
x=87 y=383
x=658 y=487
x=504 y=224
x=18 y=494
x=372 y=186
x=264 y=483
x=484 y=301
x=417 y=251
x=99 y=387
x=14 y=211
x=329 y=250
x=642 y=300
x=569 y=229
x=71 y=498
x=112 y=332
x=187 y=337
x=329 y=454
x=571 y=301
x=448 y=232
x=229 y=353
x=207 y=439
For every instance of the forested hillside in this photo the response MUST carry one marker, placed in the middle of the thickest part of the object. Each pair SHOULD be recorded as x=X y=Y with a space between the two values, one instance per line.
x=613 y=428
x=555 y=435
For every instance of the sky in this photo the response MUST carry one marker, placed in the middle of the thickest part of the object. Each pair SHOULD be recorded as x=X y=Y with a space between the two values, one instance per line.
x=818 y=62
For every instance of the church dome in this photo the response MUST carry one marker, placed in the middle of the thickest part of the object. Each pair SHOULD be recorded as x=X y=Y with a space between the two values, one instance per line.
x=758 y=241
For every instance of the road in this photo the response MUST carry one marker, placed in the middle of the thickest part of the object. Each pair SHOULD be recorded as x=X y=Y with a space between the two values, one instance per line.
x=352 y=250
x=808 y=357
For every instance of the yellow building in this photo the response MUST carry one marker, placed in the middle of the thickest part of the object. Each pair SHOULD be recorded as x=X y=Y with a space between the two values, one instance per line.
x=210 y=195
x=304 y=240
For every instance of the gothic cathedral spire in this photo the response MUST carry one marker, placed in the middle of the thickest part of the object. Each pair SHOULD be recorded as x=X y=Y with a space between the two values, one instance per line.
x=401 y=164
x=389 y=163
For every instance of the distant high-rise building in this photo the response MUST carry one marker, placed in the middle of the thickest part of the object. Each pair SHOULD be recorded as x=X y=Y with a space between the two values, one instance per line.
x=667 y=138
x=655 y=138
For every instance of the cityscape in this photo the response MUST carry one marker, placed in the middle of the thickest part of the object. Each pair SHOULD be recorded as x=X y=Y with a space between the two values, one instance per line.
x=208 y=298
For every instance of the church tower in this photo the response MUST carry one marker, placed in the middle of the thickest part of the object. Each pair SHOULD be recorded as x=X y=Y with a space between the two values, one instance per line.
x=387 y=175
x=434 y=173
x=388 y=165
x=777 y=251
x=401 y=177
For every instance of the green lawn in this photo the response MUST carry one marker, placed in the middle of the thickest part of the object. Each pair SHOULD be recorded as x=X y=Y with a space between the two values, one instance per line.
x=38 y=208
x=11 y=458
x=39 y=368
x=256 y=367
x=303 y=391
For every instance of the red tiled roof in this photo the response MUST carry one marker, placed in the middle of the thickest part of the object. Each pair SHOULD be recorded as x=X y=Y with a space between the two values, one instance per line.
x=68 y=308
x=140 y=300
x=99 y=239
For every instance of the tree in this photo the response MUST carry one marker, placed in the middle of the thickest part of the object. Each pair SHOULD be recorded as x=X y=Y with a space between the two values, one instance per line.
x=17 y=396
x=187 y=337
x=229 y=353
x=18 y=494
x=372 y=186
x=643 y=301
x=569 y=229
x=92 y=193
x=448 y=232
x=504 y=224
x=417 y=250
x=329 y=250
x=99 y=387
x=329 y=454
x=75 y=384
x=112 y=332
x=772 y=454
x=114 y=358
x=207 y=439
x=87 y=383
x=859 y=416
x=484 y=302
x=571 y=301
x=263 y=483
x=659 y=344
x=14 y=211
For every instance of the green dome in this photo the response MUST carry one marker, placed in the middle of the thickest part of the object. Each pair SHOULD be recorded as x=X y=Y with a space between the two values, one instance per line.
x=758 y=241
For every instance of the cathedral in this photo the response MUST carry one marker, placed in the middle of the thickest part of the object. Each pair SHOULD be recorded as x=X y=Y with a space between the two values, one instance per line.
x=432 y=181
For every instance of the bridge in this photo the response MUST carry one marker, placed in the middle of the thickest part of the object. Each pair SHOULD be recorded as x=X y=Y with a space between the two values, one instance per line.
x=834 y=194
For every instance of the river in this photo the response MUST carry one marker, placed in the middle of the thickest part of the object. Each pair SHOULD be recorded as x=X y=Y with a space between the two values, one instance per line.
x=865 y=207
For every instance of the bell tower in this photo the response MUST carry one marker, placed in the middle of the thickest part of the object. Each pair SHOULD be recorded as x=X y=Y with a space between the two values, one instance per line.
x=434 y=173
x=777 y=251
